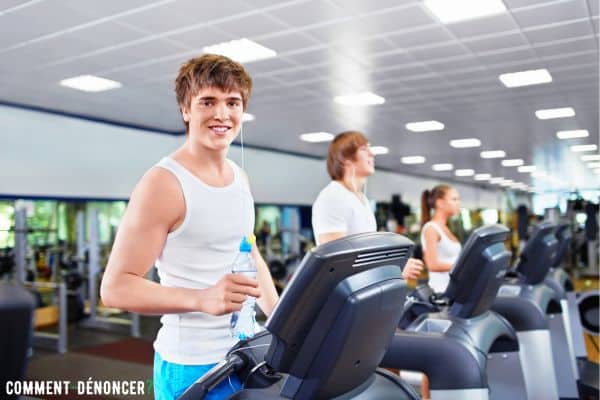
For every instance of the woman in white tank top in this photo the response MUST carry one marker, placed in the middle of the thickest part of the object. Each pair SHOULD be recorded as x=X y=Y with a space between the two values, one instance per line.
x=440 y=247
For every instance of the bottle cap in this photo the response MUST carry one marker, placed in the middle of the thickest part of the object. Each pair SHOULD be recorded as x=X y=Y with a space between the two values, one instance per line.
x=246 y=243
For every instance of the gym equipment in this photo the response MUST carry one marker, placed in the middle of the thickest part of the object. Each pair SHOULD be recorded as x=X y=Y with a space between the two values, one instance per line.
x=55 y=314
x=92 y=250
x=458 y=329
x=16 y=309
x=535 y=311
x=346 y=299
x=559 y=281
x=588 y=306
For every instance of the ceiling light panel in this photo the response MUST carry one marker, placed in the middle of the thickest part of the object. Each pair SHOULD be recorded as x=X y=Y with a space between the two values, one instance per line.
x=526 y=78
x=360 y=99
x=464 y=172
x=90 y=83
x=241 y=50
x=442 y=167
x=492 y=154
x=482 y=177
x=461 y=10
x=526 y=168
x=552 y=113
x=590 y=157
x=465 y=143
x=580 y=133
x=413 y=160
x=424 y=126
x=377 y=150
x=316 y=137
x=515 y=162
x=580 y=148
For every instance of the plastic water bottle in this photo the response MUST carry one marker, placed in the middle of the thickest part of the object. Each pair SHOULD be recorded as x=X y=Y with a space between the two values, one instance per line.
x=242 y=322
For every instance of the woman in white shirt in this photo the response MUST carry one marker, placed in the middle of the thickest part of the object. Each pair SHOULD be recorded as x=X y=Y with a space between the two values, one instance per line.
x=342 y=208
x=440 y=247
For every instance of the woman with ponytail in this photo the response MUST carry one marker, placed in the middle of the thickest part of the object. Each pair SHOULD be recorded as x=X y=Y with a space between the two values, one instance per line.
x=342 y=207
x=440 y=246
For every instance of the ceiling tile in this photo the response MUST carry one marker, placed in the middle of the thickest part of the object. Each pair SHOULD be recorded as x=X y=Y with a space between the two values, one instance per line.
x=551 y=13
x=594 y=7
x=285 y=42
x=512 y=4
x=572 y=46
x=299 y=15
x=433 y=34
x=168 y=17
x=102 y=9
x=500 y=41
x=567 y=30
x=501 y=57
x=200 y=37
x=364 y=7
x=251 y=26
x=439 y=52
x=483 y=26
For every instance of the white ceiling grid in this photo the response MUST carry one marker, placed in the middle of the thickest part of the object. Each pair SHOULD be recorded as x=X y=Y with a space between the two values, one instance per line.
x=425 y=69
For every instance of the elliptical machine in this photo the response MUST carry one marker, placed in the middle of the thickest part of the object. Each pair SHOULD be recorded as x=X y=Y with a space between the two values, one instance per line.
x=330 y=329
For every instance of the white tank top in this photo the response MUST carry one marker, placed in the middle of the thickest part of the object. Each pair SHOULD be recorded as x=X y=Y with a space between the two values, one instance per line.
x=447 y=252
x=196 y=255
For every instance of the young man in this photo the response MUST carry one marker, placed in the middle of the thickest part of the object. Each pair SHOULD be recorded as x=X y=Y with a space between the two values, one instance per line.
x=187 y=216
x=342 y=208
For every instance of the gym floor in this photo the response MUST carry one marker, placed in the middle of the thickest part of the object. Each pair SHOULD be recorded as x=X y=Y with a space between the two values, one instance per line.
x=99 y=355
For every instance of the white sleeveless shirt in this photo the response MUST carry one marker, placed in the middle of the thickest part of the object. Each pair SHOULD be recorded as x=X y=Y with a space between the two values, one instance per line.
x=447 y=252
x=196 y=255
x=337 y=209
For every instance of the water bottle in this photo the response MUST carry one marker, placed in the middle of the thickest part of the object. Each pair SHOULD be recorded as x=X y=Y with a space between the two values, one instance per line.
x=242 y=322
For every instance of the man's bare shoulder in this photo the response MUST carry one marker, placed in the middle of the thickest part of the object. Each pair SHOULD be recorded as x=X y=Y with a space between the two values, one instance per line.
x=158 y=196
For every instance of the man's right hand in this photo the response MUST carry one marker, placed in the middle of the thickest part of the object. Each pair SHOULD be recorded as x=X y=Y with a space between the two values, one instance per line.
x=228 y=294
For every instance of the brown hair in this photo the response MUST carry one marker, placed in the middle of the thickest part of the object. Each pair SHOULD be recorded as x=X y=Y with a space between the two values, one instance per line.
x=211 y=70
x=343 y=147
x=428 y=199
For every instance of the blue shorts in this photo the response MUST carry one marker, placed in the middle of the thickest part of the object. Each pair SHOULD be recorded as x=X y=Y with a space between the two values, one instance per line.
x=171 y=380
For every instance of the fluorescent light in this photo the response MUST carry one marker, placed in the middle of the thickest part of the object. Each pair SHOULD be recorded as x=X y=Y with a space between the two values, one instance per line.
x=482 y=177
x=593 y=165
x=526 y=78
x=572 y=134
x=461 y=10
x=464 y=172
x=515 y=162
x=464 y=143
x=584 y=147
x=526 y=168
x=590 y=157
x=413 y=160
x=379 y=150
x=90 y=83
x=552 y=113
x=424 y=126
x=442 y=167
x=496 y=181
x=316 y=137
x=241 y=50
x=506 y=182
x=360 y=99
x=538 y=174
x=492 y=154
x=248 y=117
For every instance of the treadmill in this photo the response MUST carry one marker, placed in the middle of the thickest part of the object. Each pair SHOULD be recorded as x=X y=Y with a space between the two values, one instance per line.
x=329 y=331
x=450 y=338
